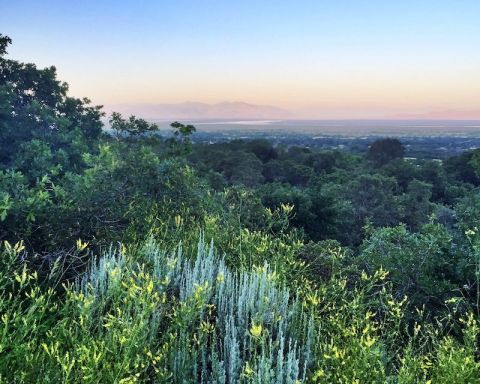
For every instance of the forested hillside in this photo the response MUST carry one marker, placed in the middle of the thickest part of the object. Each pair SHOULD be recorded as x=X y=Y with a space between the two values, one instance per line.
x=130 y=257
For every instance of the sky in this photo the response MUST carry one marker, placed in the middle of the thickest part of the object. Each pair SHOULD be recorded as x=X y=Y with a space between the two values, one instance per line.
x=318 y=59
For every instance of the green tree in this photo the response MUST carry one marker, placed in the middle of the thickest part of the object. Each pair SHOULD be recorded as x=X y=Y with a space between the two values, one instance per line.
x=330 y=161
x=181 y=144
x=475 y=162
x=382 y=151
x=35 y=106
x=415 y=204
x=298 y=174
x=130 y=127
x=373 y=197
x=463 y=168
x=275 y=194
x=334 y=216
x=403 y=171
x=433 y=173
x=275 y=170
x=5 y=41
x=263 y=149
x=422 y=266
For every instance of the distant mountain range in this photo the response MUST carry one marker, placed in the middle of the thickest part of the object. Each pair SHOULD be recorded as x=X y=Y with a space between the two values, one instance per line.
x=440 y=115
x=238 y=110
x=201 y=111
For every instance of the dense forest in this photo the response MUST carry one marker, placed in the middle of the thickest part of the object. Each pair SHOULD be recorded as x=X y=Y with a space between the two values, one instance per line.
x=127 y=256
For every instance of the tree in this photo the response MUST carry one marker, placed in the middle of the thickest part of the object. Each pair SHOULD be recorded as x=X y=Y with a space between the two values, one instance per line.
x=34 y=105
x=475 y=162
x=244 y=168
x=423 y=266
x=5 y=41
x=402 y=170
x=263 y=149
x=467 y=211
x=463 y=167
x=416 y=205
x=183 y=130
x=327 y=161
x=298 y=174
x=373 y=197
x=433 y=173
x=383 y=151
x=334 y=217
x=131 y=126
x=275 y=170
x=182 y=143
x=274 y=195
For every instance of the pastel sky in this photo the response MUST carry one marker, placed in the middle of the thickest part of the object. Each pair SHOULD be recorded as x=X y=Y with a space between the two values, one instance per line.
x=336 y=58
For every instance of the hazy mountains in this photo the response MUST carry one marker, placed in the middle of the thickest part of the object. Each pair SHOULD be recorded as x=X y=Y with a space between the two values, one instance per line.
x=246 y=111
x=440 y=115
x=203 y=111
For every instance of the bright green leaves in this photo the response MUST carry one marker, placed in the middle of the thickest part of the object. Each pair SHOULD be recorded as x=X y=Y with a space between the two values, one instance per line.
x=5 y=205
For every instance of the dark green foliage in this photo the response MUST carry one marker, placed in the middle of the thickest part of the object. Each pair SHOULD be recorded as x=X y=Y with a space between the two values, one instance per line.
x=433 y=173
x=131 y=126
x=182 y=143
x=244 y=168
x=274 y=195
x=468 y=211
x=415 y=204
x=5 y=41
x=263 y=149
x=423 y=266
x=330 y=161
x=384 y=150
x=336 y=193
x=373 y=197
x=35 y=106
x=462 y=169
x=182 y=129
x=403 y=171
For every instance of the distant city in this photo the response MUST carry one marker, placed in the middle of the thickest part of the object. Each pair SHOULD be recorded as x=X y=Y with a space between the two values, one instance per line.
x=435 y=139
x=350 y=128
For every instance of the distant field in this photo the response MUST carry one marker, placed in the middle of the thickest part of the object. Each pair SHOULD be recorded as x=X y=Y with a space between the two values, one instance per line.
x=345 y=127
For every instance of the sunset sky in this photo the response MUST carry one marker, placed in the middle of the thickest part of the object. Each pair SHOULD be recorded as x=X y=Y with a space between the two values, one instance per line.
x=319 y=59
